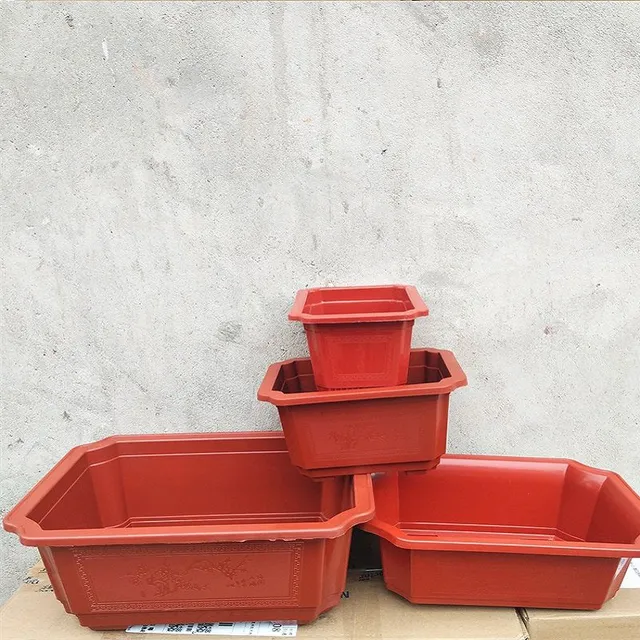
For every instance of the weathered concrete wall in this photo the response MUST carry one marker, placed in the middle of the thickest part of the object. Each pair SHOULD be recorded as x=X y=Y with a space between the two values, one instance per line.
x=172 y=173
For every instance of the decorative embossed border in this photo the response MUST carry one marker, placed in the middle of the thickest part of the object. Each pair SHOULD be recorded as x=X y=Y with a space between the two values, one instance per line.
x=82 y=553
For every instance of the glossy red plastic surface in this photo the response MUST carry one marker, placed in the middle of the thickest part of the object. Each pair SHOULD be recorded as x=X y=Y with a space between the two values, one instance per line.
x=162 y=529
x=365 y=430
x=511 y=532
x=359 y=336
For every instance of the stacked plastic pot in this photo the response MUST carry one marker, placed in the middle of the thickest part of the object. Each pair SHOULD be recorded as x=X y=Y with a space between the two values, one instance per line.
x=365 y=401
x=257 y=525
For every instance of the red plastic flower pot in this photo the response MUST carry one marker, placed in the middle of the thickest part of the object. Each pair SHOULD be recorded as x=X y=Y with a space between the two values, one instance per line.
x=359 y=336
x=508 y=532
x=167 y=529
x=365 y=430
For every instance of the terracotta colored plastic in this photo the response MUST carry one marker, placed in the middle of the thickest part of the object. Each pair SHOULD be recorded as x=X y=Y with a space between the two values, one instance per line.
x=359 y=336
x=167 y=529
x=365 y=430
x=510 y=532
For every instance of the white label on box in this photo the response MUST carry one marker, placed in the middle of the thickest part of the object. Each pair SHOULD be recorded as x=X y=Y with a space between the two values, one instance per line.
x=621 y=565
x=632 y=578
x=262 y=629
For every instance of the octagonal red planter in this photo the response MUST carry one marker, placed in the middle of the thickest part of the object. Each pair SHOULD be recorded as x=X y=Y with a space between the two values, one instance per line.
x=350 y=431
x=508 y=532
x=359 y=336
x=168 y=529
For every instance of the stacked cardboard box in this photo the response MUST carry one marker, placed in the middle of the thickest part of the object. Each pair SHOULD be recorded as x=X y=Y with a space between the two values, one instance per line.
x=619 y=618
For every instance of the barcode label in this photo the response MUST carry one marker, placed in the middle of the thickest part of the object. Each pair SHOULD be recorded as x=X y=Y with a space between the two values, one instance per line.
x=262 y=629
x=632 y=577
x=369 y=574
x=621 y=565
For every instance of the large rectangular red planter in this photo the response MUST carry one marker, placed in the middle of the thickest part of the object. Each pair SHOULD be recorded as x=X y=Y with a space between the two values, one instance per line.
x=179 y=528
x=365 y=430
x=509 y=532
x=359 y=336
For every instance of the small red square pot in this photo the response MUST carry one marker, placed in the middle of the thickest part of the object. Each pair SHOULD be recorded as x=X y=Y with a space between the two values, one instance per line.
x=359 y=336
x=350 y=431
x=506 y=532
x=171 y=529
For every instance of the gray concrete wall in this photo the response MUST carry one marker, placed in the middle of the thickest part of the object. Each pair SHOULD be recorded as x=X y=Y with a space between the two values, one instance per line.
x=172 y=173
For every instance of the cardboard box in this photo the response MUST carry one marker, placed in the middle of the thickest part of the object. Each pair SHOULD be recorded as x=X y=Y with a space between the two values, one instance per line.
x=619 y=619
x=367 y=611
